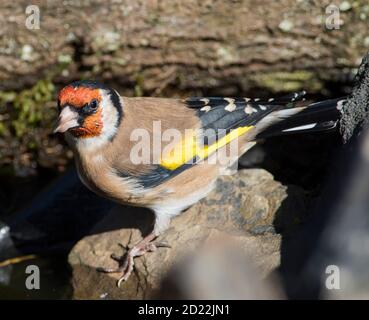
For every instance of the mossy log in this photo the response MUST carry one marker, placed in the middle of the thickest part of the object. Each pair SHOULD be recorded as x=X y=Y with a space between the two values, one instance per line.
x=154 y=45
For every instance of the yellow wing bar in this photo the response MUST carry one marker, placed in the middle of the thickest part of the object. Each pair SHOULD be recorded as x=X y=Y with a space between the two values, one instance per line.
x=189 y=149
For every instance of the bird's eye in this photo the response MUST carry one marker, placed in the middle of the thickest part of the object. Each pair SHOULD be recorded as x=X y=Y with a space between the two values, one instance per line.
x=93 y=104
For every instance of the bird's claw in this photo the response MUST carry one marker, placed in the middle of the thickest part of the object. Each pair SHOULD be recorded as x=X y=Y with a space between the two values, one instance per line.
x=126 y=262
x=108 y=270
x=162 y=245
x=123 y=246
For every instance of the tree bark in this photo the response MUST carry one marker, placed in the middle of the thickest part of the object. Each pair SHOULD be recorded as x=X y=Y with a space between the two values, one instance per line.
x=208 y=45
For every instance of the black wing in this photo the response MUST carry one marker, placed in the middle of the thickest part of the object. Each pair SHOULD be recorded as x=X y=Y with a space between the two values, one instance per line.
x=221 y=115
x=225 y=114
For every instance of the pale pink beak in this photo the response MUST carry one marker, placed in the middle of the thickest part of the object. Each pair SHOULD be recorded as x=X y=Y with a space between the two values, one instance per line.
x=67 y=119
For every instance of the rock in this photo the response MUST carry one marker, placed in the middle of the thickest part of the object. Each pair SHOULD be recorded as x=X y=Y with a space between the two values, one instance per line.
x=242 y=206
x=226 y=267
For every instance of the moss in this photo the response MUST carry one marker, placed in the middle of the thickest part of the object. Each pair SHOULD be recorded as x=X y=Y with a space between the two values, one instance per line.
x=27 y=117
x=139 y=85
x=3 y=129
x=26 y=108
x=288 y=81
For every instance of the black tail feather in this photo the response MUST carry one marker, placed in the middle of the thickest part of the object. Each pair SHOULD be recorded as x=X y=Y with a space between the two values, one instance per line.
x=320 y=116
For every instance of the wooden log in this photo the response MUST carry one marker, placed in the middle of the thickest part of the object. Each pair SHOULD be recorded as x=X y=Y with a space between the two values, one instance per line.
x=152 y=45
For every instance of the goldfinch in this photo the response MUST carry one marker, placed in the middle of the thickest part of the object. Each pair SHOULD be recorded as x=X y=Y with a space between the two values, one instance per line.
x=166 y=154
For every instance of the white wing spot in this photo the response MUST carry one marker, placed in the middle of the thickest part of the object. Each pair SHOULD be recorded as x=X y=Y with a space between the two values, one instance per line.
x=231 y=106
x=249 y=109
x=262 y=107
x=257 y=99
x=205 y=100
x=305 y=127
x=206 y=108
x=271 y=99
x=247 y=99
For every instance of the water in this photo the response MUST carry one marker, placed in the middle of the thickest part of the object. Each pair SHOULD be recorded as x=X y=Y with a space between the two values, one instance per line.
x=54 y=279
x=50 y=224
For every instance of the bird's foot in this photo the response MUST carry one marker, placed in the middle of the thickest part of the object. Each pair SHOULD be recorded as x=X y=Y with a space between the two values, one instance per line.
x=126 y=262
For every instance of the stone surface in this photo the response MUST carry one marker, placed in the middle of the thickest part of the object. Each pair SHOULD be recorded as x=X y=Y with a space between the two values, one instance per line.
x=227 y=267
x=243 y=207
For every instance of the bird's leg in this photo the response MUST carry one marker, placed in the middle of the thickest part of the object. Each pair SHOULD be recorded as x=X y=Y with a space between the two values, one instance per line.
x=126 y=262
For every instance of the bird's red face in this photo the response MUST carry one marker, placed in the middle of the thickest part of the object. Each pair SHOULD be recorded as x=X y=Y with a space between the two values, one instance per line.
x=80 y=111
